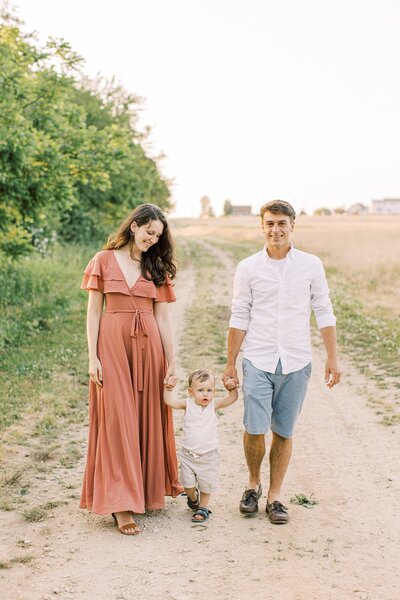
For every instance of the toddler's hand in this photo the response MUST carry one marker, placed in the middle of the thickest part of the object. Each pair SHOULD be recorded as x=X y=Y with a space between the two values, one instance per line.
x=170 y=382
x=230 y=384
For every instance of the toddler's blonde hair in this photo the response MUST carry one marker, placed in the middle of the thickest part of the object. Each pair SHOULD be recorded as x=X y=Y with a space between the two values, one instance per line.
x=200 y=375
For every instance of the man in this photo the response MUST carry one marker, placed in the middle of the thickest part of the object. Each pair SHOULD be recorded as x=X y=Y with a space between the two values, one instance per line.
x=274 y=292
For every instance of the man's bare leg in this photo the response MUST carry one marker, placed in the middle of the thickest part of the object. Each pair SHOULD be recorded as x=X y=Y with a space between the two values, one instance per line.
x=279 y=457
x=254 y=450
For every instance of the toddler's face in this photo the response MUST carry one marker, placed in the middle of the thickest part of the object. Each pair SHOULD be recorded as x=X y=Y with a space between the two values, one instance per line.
x=202 y=391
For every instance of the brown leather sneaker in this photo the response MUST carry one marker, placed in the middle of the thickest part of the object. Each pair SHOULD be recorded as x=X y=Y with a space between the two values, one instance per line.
x=249 y=501
x=278 y=514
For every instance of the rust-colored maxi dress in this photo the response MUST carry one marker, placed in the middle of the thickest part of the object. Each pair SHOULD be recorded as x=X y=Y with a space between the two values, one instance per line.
x=131 y=460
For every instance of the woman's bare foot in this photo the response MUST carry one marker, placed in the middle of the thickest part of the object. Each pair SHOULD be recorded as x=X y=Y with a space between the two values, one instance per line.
x=125 y=523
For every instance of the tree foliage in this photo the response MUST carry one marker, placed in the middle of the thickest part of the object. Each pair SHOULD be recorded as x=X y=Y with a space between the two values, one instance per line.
x=206 y=208
x=71 y=158
x=227 y=208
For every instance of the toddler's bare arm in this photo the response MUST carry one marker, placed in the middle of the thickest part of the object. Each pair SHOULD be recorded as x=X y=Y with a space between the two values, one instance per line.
x=172 y=401
x=229 y=399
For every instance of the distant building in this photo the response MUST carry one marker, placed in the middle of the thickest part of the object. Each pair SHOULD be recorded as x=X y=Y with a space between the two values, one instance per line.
x=322 y=212
x=357 y=209
x=240 y=210
x=387 y=206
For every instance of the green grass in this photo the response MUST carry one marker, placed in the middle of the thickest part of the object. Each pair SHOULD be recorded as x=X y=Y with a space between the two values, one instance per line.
x=43 y=345
x=372 y=341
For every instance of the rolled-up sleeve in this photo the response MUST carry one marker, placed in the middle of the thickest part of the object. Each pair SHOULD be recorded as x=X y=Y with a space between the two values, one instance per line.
x=242 y=300
x=320 y=301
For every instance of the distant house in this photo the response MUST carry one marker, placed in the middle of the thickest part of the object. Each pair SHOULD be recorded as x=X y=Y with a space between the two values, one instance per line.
x=357 y=209
x=387 y=206
x=240 y=210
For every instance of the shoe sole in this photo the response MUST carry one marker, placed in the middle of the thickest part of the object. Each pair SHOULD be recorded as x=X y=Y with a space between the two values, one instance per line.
x=277 y=521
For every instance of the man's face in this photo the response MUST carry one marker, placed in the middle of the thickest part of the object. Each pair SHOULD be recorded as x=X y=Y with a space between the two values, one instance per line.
x=277 y=229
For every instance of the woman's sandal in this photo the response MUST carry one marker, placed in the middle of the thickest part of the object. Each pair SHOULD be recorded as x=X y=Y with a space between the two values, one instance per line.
x=124 y=528
x=193 y=504
x=202 y=512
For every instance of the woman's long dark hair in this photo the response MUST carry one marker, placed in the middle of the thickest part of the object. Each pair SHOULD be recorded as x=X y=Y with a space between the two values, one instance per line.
x=158 y=261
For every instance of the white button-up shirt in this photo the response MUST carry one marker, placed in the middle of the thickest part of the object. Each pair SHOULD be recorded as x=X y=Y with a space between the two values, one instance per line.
x=274 y=305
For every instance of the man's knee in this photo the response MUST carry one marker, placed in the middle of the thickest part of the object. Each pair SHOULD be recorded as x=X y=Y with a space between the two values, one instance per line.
x=254 y=442
x=280 y=438
x=254 y=437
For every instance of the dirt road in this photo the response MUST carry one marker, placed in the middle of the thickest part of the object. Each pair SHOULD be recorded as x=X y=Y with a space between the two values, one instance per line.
x=346 y=547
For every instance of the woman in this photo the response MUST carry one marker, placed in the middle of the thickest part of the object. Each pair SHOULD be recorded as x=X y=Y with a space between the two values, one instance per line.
x=131 y=463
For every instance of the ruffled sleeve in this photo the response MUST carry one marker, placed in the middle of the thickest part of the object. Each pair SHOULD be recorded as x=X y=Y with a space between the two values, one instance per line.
x=165 y=293
x=92 y=278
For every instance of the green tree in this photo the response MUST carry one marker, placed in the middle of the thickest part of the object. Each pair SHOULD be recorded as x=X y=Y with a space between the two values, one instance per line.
x=71 y=160
x=227 y=208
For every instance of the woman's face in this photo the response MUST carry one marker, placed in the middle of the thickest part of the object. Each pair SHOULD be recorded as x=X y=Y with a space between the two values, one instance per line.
x=147 y=235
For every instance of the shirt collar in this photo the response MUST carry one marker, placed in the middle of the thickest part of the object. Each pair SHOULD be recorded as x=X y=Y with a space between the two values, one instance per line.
x=289 y=255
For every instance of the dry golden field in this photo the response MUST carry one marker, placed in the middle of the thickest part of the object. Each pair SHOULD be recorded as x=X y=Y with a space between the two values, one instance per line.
x=360 y=252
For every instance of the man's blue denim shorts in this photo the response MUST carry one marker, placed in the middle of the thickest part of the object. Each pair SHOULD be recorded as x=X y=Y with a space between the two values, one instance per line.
x=273 y=400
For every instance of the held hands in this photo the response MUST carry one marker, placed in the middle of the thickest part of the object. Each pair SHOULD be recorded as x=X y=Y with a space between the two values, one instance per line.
x=170 y=378
x=96 y=371
x=230 y=378
x=332 y=372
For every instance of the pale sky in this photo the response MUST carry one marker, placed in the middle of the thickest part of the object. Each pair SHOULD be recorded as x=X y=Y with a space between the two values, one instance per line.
x=252 y=100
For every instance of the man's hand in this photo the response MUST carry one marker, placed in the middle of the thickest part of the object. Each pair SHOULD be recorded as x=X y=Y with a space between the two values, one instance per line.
x=230 y=378
x=332 y=372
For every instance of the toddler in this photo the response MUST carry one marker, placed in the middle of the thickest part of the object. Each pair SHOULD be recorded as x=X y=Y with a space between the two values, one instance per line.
x=199 y=454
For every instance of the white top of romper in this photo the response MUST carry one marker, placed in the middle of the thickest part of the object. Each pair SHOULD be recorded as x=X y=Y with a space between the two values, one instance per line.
x=199 y=427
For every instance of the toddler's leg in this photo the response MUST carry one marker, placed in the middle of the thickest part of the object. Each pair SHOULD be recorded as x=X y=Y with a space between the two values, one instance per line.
x=204 y=500
x=191 y=493
x=192 y=498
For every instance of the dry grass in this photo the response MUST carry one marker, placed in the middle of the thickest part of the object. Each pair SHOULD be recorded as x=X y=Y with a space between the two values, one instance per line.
x=361 y=252
x=38 y=513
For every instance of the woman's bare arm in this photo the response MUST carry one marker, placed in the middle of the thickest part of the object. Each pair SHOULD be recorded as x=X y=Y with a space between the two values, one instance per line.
x=94 y=311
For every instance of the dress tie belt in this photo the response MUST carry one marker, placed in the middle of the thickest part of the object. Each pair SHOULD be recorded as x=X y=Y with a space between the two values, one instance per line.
x=138 y=328
x=137 y=320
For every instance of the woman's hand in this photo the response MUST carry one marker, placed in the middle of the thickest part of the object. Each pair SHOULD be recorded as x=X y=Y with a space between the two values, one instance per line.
x=95 y=371
x=170 y=378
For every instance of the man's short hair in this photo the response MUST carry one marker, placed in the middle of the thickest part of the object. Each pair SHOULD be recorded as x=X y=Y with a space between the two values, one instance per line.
x=200 y=375
x=278 y=207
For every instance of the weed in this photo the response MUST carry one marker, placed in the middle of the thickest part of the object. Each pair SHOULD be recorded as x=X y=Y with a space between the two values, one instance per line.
x=44 y=453
x=11 y=479
x=5 y=505
x=23 y=543
x=23 y=560
x=53 y=504
x=303 y=500
x=39 y=512
x=390 y=420
x=34 y=515
x=71 y=456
